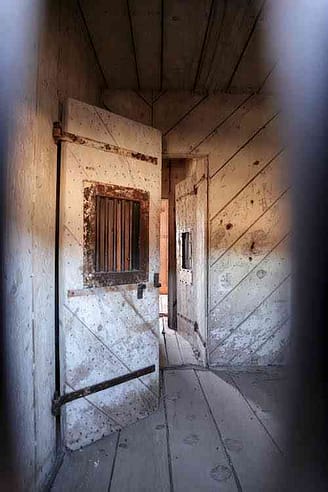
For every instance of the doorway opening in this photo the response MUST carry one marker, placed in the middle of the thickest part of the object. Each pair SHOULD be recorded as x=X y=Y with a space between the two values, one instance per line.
x=183 y=261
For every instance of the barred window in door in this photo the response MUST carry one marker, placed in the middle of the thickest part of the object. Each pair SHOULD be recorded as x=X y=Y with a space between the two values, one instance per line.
x=116 y=234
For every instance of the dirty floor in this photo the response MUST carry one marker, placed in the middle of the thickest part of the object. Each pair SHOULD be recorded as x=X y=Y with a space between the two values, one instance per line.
x=214 y=431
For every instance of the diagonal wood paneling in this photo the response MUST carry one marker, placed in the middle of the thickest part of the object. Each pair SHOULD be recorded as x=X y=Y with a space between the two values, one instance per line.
x=236 y=217
x=248 y=218
x=200 y=122
x=173 y=107
x=257 y=61
x=249 y=250
x=239 y=21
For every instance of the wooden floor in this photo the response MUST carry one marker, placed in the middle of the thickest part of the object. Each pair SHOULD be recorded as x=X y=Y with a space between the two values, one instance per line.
x=214 y=431
x=174 y=350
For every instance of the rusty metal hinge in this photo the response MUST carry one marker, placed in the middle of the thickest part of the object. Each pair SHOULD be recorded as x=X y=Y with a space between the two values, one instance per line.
x=196 y=329
x=60 y=400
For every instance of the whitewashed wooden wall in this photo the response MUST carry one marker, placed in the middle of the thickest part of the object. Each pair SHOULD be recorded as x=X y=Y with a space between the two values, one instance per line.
x=48 y=69
x=249 y=266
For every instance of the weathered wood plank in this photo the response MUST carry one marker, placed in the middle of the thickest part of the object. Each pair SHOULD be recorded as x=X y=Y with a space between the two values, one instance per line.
x=173 y=352
x=257 y=61
x=230 y=314
x=262 y=336
x=142 y=458
x=109 y=27
x=234 y=220
x=201 y=122
x=198 y=458
x=146 y=25
x=128 y=104
x=171 y=107
x=249 y=250
x=256 y=459
x=237 y=131
x=187 y=353
x=239 y=20
x=89 y=468
x=184 y=30
x=265 y=392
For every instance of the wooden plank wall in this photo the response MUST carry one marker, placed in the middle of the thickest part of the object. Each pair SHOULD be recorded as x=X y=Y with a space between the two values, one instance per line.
x=249 y=267
x=50 y=68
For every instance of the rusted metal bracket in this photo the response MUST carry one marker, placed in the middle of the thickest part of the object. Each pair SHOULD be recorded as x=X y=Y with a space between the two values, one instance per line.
x=60 y=135
x=58 y=401
x=196 y=329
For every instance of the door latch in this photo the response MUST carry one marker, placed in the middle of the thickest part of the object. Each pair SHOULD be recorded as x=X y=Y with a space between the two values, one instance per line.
x=140 y=289
x=157 y=283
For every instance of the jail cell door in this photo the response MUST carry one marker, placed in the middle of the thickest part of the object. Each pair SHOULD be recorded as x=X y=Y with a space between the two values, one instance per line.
x=191 y=246
x=109 y=264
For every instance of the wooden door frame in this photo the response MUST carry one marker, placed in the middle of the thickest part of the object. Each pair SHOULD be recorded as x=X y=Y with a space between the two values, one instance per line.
x=207 y=244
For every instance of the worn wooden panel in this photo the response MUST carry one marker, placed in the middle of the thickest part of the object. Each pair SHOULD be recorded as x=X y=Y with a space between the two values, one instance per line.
x=243 y=169
x=199 y=461
x=265 y=392
x=118 y=330
x=110 y=31
x=87 y=469
x=200 y=122
x=254 y=455
x=142 y=458
x=191 y=217
x=164 y=238
x=183 y=31
x=237 y=131
x=238 y=22
x=172 y=107
x=233 y=263
x=128 y=104
x=256 y=62
x=229 y=315
x=268 y=338
x=146 y=28
x=242 y=211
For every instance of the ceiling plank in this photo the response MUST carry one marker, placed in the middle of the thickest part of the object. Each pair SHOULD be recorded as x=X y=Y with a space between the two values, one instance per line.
x=256 y=64
x=211 y=42
x=146 y=26
x=185 y=27
x=238 y=23
x=109 y=27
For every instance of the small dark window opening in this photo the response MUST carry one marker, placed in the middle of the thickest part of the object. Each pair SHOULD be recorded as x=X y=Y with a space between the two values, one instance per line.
x=116 y=235
x=186 y=251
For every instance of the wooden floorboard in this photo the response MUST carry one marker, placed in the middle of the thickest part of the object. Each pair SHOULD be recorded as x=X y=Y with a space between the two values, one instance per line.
x=265 y=392
x=212 y=432
x=254 y=455
x=141 y=462
x=88 y=469
x=173 y=352
x=199 y=462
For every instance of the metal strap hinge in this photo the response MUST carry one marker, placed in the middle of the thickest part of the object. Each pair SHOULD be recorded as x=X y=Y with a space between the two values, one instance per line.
x=60 y=135
x=60 y=400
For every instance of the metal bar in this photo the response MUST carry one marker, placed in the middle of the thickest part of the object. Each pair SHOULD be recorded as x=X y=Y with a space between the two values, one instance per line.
x=58 y=401
x=60 y=135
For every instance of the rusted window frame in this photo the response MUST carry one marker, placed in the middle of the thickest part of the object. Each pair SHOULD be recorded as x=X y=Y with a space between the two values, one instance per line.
x=92 y=278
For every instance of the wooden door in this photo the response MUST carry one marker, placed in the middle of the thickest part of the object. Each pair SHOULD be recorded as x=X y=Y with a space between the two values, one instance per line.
x=109 y=244
x=191 y=247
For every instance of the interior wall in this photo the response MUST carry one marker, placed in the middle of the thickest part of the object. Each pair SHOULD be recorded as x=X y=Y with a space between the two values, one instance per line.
x=249 y=265
x=58 y=62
